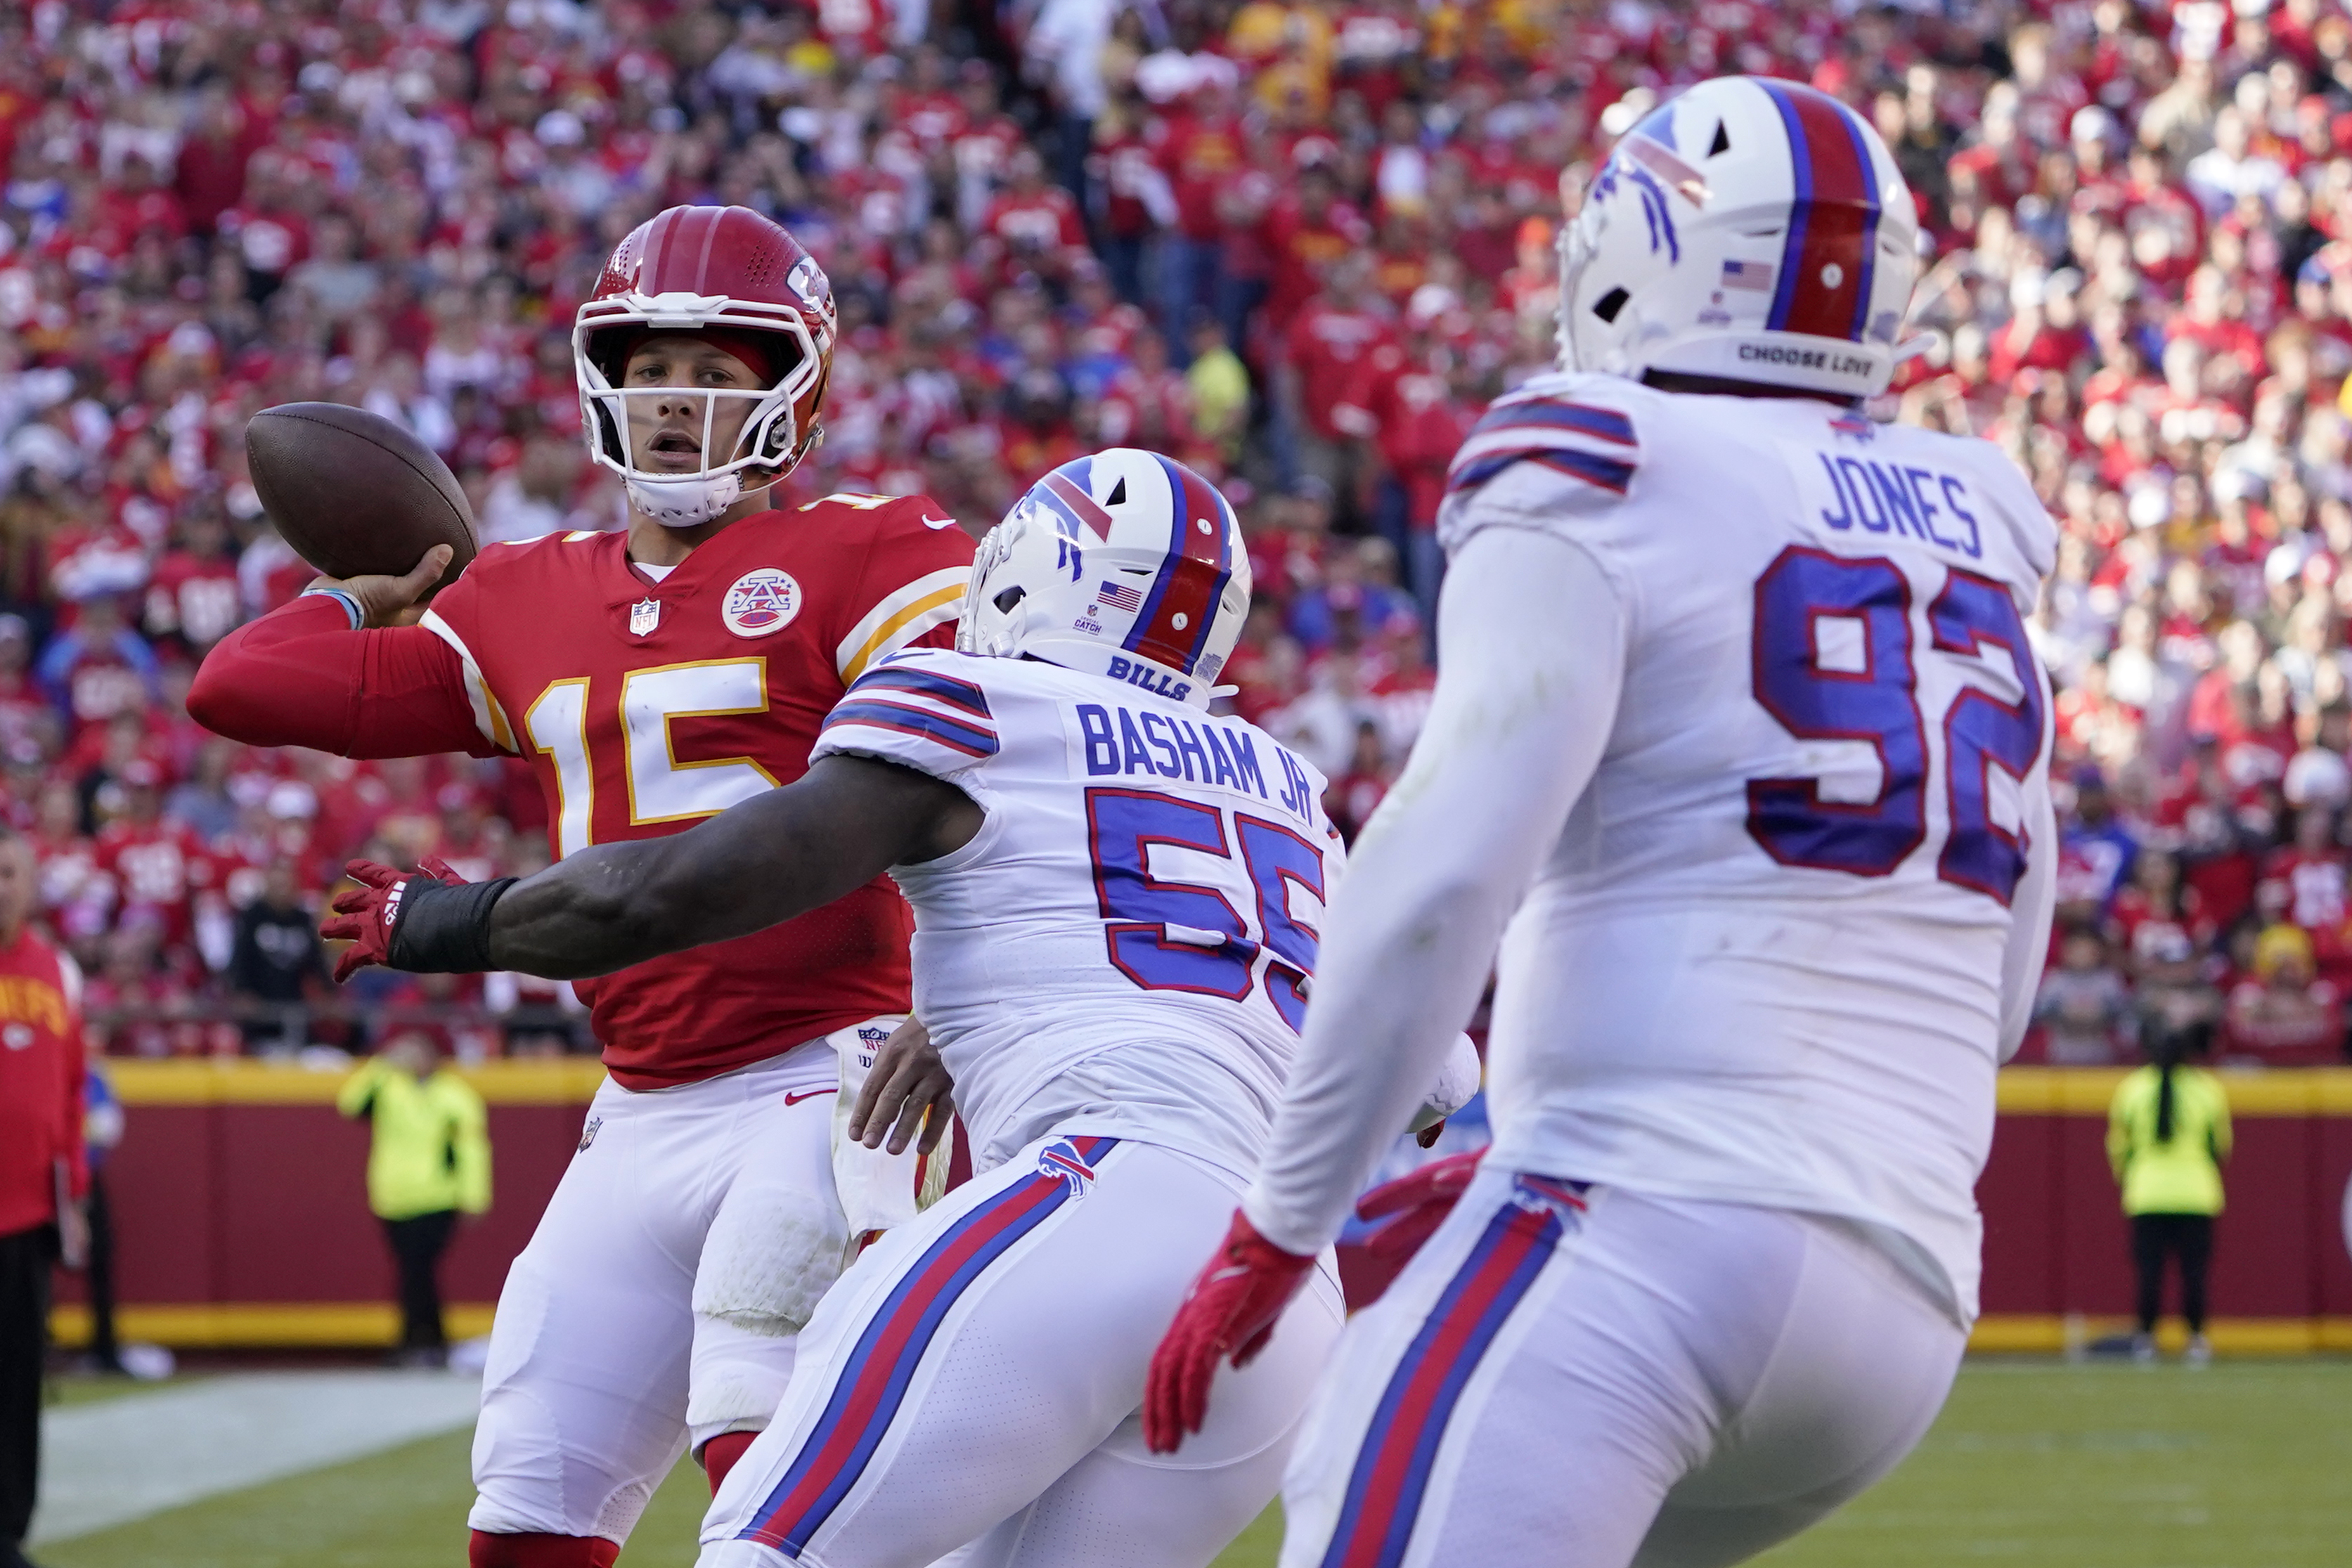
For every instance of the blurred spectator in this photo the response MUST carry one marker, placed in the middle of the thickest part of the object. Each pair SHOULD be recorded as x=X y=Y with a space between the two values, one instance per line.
x=279 y=963
x=2083 y=1003
x=2168 y=1135
x=43 y=1174
x=2285 y=1015
x=102 y=1130
x=428 y=1162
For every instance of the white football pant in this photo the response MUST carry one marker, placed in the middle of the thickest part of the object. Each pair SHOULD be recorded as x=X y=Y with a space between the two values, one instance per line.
x=978 y=1374
x=659 y=1298
x=1586 y=1377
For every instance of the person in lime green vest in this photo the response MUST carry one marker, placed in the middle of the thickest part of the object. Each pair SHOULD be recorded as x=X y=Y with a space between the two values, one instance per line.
x=2168 y=1135
x=429 y=1161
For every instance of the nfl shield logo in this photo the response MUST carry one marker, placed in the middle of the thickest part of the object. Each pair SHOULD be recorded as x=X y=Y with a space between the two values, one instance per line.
x=760 y=601
x=643 y=616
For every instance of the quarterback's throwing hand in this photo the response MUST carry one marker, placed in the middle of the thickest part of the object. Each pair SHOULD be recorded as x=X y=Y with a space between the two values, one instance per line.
x=1231 y=1309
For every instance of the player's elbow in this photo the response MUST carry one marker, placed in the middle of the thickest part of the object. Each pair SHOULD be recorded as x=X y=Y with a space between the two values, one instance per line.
x=222 y=700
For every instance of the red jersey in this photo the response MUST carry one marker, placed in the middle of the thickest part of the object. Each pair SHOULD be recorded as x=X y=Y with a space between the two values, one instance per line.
x=40 y=1081
x=161 y=869
x=1331 y=347
x=198 y=599
x=644 y=708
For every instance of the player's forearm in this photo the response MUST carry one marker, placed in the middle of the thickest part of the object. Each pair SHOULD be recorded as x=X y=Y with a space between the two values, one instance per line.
x=615 y=905
x=2030 y=911
x=301 y=675
x=766 y=859
x=290 y=678
x=1532 y=655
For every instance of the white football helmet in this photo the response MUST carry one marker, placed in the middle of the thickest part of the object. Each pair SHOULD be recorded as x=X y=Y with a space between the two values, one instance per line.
x=1750 y=230
x=1125 y=564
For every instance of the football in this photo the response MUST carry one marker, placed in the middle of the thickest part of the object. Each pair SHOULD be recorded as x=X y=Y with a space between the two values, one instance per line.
x=355 y=493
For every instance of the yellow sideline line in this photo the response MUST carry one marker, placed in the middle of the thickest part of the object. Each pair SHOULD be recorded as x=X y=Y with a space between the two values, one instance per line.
x=261 y=1325
x=2052 y=1333
x=299 y=1325
x=573 y=1080
x=566 y=1081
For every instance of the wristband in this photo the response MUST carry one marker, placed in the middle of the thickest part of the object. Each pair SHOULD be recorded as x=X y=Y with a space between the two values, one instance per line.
x=445 y=926
x=350 y=602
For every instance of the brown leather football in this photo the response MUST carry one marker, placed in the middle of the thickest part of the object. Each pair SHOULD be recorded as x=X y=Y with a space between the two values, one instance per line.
x=355 y=494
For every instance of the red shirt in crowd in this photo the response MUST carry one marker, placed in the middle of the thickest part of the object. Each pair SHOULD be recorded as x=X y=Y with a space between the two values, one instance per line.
x=40 y=1082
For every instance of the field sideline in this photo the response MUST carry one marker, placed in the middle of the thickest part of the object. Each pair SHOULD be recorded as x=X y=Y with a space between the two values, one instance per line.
x=2035 y=1464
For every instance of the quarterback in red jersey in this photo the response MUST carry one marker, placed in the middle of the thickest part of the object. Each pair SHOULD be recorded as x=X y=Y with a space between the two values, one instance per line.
x=654 y=678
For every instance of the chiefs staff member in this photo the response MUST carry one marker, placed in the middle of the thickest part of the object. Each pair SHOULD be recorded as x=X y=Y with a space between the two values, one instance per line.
x=41 y=1173
x=652 y=679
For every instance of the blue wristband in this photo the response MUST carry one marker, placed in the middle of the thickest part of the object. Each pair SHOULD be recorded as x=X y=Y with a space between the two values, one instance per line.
x=350 y=605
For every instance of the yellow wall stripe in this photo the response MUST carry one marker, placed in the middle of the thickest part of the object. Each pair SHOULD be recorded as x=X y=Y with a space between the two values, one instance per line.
x=562 y=1080
x=573 y=1080
x=261 y=1325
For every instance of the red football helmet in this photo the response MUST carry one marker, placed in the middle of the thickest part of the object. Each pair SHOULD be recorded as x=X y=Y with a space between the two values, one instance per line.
x=720 y=269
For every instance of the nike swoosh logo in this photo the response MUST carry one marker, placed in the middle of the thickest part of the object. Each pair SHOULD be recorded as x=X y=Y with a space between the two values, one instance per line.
x=807 y=1094
x=938 y=522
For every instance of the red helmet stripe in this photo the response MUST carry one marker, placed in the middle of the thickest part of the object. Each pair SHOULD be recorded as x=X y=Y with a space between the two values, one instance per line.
x=1823 y=288
x=1074 y=496
x=656 y=244
x=711 y=224
x=1193 y=576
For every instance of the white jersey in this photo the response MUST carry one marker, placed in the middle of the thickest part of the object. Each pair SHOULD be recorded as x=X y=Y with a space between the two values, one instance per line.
x=1763 y=962
x=1124 y=947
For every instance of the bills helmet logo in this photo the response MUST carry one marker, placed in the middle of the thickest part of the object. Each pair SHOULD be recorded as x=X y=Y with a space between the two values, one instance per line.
x=761 y=602
x=1061 y=1158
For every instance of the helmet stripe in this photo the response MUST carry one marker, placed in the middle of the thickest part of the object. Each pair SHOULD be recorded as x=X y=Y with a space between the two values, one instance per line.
x=1192 y=578
x=1823 y=287
x=714 y=220
x=1075 y=501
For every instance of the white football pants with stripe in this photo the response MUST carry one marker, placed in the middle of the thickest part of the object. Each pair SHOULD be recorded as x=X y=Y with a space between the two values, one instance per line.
x=1587 y=1377
x=658 y=1301
x=978 y=1374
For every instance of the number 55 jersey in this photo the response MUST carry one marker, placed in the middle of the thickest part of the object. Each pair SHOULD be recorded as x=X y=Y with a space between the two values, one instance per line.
x=1765 y=960
x=1124 y=947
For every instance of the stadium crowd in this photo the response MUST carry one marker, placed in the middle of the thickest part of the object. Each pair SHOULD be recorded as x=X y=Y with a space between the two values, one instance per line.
x=1300 y=243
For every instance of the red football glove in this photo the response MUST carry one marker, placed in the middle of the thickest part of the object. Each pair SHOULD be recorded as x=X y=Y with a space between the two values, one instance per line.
x=367 y=916
x=1421 y=1200
x=1232 y=1307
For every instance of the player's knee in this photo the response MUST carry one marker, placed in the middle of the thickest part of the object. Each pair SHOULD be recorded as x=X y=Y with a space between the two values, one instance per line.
x=767 y=1260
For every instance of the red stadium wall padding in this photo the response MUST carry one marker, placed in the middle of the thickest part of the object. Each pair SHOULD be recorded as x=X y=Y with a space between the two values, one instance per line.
x=239 y=1188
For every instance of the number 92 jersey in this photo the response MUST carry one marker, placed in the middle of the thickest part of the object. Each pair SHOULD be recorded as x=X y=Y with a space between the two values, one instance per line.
x=1125 y=946
x=1765 y=960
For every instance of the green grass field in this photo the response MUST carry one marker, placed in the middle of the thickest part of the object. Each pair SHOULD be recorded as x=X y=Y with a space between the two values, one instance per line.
x=2033 y=1465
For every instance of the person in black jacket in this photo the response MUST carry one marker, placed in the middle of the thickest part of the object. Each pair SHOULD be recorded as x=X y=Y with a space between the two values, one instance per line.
x=278 y=961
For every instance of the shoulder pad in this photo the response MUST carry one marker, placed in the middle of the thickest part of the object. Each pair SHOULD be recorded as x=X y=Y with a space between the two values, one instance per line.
x=883 y=514
x=1569 y=425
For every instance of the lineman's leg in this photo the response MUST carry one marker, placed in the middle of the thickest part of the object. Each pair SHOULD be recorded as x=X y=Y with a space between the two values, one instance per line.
x=584 y=1396
x=971 y=1359
x=1124 y=1504
x=1546 y=1374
